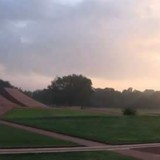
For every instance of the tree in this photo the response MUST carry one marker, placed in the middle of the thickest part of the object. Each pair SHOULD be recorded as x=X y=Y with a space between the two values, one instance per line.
x=43 y=96
x=5 y=84
x=107 y=97
x=71 y=90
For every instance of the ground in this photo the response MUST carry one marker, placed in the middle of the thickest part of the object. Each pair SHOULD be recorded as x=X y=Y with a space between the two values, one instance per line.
x=104 y=128
x=12 y=137
x=90 y=124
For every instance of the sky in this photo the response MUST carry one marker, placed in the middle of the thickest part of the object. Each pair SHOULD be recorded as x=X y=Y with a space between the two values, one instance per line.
x=115 y=43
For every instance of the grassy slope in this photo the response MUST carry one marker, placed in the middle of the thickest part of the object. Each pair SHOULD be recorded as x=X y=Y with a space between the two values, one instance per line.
x=115 y=130
x=67 y=156
x=11 y=137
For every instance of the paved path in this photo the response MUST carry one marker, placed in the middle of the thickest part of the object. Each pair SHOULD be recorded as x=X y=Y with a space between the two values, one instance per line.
x=128 y=150
x=124 y=150
x=57 y=150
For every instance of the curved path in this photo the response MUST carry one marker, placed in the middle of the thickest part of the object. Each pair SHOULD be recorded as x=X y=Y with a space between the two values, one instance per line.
x=137 y=150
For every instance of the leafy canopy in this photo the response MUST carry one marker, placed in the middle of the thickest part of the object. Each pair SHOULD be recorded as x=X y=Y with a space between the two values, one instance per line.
x=71 y=90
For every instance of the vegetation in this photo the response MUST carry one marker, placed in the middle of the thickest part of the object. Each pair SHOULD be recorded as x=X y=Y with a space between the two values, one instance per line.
x=129 y=112
x=44 y=96
x=76 y=90
x=113 y=130
x=107 y=97
x=68 y=156
x=42 y=113
x=5 y=84
x=71 y=90
x=12 y=137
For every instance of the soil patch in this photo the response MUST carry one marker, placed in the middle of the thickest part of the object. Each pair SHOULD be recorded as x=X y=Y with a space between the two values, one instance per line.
x=6 y=105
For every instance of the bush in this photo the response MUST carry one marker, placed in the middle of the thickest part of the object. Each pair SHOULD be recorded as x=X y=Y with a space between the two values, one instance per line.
x=129 y=111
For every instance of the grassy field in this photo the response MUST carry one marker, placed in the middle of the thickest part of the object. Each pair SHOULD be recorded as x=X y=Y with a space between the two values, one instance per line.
x=113 y=130
x=91 y=125
x=11 y=137
x=36 y=113
x=68 y=156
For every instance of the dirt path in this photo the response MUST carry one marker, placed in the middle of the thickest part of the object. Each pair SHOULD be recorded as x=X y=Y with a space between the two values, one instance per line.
x=128 y=150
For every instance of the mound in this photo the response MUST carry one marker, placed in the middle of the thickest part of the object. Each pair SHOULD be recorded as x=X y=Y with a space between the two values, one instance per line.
x=18 y=97
x=6 y=105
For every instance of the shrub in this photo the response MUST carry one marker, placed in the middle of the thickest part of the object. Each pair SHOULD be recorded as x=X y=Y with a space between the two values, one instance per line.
x=129 y=111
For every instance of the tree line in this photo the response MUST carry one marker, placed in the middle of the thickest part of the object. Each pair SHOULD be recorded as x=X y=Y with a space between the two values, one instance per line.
x=77 y=90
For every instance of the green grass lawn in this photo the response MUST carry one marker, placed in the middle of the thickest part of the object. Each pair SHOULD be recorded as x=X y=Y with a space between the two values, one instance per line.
x=113 y=130
x=11 y=137
x=38 y=112
x=67 y=156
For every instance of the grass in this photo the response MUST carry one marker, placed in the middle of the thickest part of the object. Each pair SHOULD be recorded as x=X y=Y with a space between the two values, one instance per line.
x=109 y=129
x=11 y=137
x=38 y=112
x=91 y=125
x=68 y=156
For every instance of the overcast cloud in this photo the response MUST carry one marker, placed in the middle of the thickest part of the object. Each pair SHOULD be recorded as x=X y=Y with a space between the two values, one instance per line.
x=115 y=43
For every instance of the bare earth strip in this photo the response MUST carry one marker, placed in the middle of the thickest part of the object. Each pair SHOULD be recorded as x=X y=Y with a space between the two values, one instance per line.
x=6 y=105
x=128 y=150
x=22 y=98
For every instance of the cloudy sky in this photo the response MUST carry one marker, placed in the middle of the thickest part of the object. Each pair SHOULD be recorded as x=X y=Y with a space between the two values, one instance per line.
x=116 y=43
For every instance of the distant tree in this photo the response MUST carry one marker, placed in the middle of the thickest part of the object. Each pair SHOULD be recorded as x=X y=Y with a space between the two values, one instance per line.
x=71 y=90
x=130 y=97
x=43 y=96
x=107 y=97
x=5 y=84
x=28 y=93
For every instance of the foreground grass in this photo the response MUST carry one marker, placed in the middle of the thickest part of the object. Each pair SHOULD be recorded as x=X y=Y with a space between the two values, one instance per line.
x=38 y=112
x=67 y=156
x=114 y=130
x=11 y=137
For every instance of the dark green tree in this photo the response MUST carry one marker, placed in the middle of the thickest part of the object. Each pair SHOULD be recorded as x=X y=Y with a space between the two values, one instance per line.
x=43 y=96
x=107 y=97
x=71 y=90
x=5 y=84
